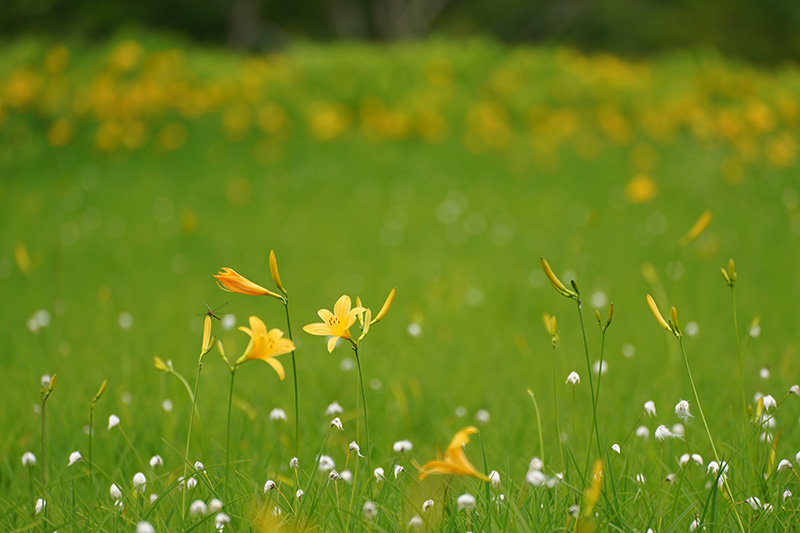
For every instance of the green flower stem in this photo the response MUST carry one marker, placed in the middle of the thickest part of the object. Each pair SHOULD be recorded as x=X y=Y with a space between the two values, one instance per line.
x=538 y=423
x=228 y=436
x=193 y=395
x=739 y=356
x=555 y=407
x=708 y=431
x=294 y=375
x=364 y=406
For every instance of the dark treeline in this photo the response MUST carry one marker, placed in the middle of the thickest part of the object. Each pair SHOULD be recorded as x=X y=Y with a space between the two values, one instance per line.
x=765 y=31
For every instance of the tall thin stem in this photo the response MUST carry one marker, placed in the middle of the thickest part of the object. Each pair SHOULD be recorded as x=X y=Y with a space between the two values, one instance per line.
x=555 y=407
x=364 y=406
x=228 y=436
x=44 y=478
x=705 y=424
x=189 y=434
x=294 y=375
x=739 y=356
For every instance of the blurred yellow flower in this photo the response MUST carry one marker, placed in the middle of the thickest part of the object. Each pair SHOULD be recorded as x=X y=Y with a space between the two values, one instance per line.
x=336 y=324
x=640 y=189
x=455 y=461
x=232 y=281
x=266 y=345
x=60 y=132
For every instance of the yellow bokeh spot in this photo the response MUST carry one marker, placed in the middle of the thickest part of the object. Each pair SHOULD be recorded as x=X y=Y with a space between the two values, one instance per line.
x=237 y=121
x=173 y=136
x=126 y=56
x=108 y=136
x=782 y=150
x=640 y=189
x=329 y=121
x=60 y=132
x=56 y=60
x=188 y=221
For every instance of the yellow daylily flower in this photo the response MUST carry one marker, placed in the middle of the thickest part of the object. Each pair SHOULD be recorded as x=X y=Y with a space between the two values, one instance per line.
x=336 y=324
x=455 y=460
x=266 y=345
x=232 y=281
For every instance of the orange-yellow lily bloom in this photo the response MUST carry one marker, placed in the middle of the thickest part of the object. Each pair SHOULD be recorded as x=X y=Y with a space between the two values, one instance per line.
x=336 y=324
x=455 y=460
x=266 y=345
x=232 y=281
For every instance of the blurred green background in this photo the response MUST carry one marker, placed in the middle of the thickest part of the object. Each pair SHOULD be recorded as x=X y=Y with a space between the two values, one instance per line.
x=136 y=163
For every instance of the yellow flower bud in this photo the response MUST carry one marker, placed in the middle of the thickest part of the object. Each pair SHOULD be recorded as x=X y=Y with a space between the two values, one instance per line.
x=554 y=281
x=385 y=308
x=696 y=229
x=656 y=313
x=273 y=270
x=100 y=391
x=160 y=365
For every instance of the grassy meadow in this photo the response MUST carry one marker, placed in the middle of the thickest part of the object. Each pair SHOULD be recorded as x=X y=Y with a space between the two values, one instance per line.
x=135 y=169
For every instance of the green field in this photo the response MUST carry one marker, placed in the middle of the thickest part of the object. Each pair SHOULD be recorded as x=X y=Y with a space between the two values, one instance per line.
x=133 y=170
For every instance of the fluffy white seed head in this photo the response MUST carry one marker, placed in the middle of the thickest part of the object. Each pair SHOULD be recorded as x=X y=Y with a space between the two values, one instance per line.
x=145 y=527
x=198 y=507
x=334 y=475
x=643 y=432
x=663 y=432
x=326 y=463
x=650 y=408
x=221 y=520
x=294 y=463
x=402 y=446
x=697 y=458
x=337 y=423
x=616 y=448
x=754 y=502
x=640 y=479
x=465 y=502
x=370 y=511
x=535 y=464
x=794 y=389
x=299 y=494
x=415 y=522
x=535 y=478
x=153 y=498
x=573 y=378
x=139 y=481
x=682 y=410
x=191 y=483
x=156 y=461
x=28 y=459
x=398 y=469
x=347 y=476
x=784 y=465
x=787 y=494
x=599 y=368
x=113 y=421
x=695 y=524
x=74 y=457
x=269 y=485
x=39 y=505
x=199 y=466
x=379 y=474
x=277 y=414
x=769 y=402
x=482 y=416
x=333 y=409
x=215 y=505
x=427 y=504
x=494 y=478
x=115 y=492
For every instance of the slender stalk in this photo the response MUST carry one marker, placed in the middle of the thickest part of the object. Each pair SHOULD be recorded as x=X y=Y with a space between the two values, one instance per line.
x=708 y=431
x=91 y=477
x=538 y=423
x=555 y=407
x=228 y=436
x=487 y=484
x=44 y=475
x=364 y=406
x=294 y=375
x=739 y=356
x=189 y=434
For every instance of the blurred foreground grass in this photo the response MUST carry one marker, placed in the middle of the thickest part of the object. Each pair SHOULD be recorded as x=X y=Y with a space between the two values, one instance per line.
x=133 y=170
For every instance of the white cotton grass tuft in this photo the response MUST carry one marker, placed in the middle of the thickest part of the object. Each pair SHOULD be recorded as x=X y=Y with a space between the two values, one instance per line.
x=113 y=421
x=692 y=329
x=299 y=494
x=465 y=502
x=115 y=492
x=536 y=464
x=663 y=433
x=640 y=479
x=679 y=430
x=769 y=402
x=794 y=389
x=355 y=448
x=334 y=475
x=269 y=485
x=616 y=448
x=153 y=498
x=600 y=368
x=333 y=409
x=294 y=463
x=398 y=469
x=139 y=481
x=326 y=463
x=494 y=479
x=764 y=373
x=682 y=410
x=786 y=495
x=427 y=504
x=191 y=483
x=461 y=411
x=39 y=506
x=166 y=405
x=415 y=522
x=650 y=408
x=156 y=461
x=379 y=474
x=695 y=524
x=215 y=505
x=278 y=414
x=145 y=527
x=199 y=466
x=573 y=378
x=346 y=476
x=643 y=432
x=535 y=478
x=198 y=507
x=402 y=446
x=370 y=510
x=74 y=457
x=784 y=465
x=221 y=520
x=754 y=502
x=28 y=459
x=337 y=423
x=482 y=416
